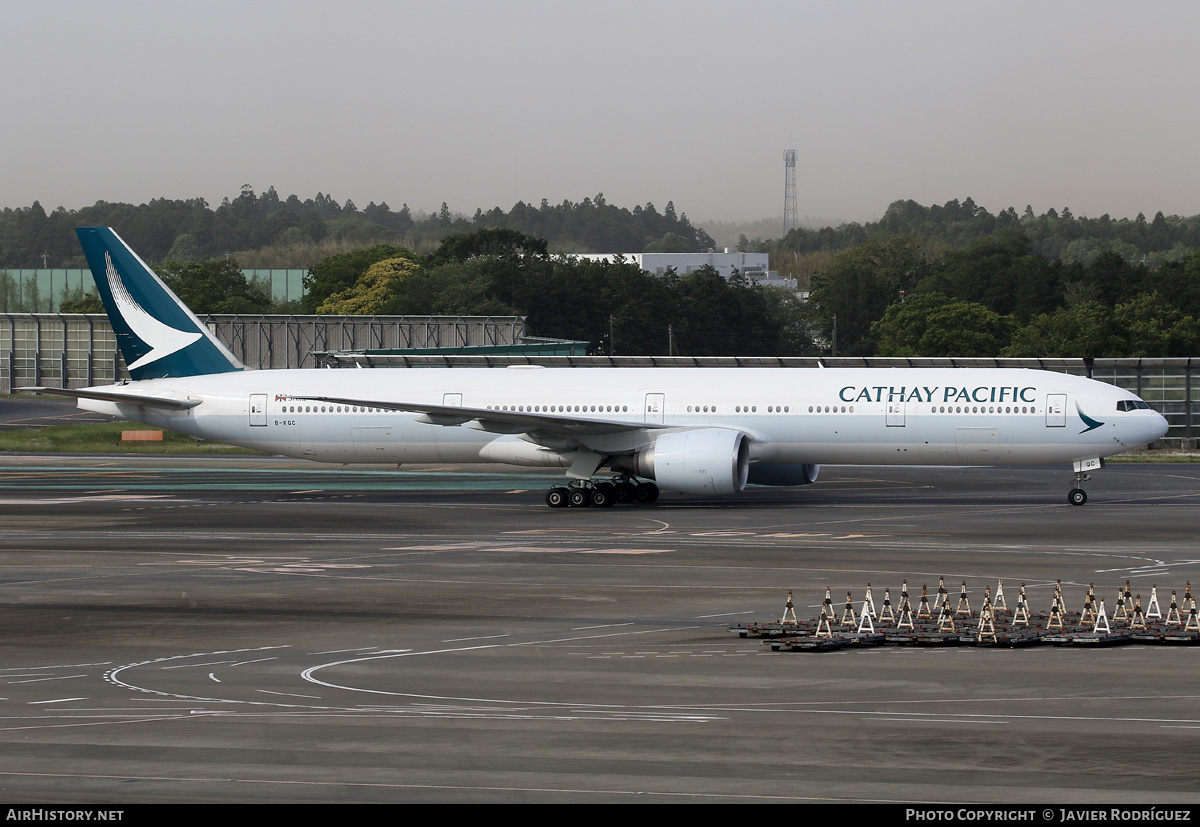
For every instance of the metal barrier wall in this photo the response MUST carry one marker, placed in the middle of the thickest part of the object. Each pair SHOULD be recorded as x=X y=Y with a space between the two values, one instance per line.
x=289 y=341
x=75 y=350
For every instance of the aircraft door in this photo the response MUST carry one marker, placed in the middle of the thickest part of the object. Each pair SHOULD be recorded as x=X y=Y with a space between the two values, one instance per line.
x=452 y=400
x=895 y=413
x=258 y=409
x=1056 y=410
x=656 y=407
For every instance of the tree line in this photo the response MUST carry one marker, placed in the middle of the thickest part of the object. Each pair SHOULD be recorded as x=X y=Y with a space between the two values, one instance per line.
x=1054 y=235
x=264 y=230
x=996 y=297
x=943 y=280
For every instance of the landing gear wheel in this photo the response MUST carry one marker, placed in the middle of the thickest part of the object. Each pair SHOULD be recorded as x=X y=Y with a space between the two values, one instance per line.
x=645 y=493
x=557 y=497
x=602 y=496
x=579 y=498
x=623 y=492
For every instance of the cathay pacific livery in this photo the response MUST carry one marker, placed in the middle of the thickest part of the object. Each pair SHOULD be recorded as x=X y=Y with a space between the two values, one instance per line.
x=705 y=431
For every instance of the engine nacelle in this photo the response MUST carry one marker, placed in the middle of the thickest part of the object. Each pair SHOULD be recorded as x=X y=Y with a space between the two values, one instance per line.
x=783 y=474
x=703 y=461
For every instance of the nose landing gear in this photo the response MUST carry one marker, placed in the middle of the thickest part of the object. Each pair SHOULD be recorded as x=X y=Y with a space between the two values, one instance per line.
x=1077 y=496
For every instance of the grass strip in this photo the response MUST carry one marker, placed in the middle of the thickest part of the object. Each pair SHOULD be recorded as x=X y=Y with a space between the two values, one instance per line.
x=106 y=439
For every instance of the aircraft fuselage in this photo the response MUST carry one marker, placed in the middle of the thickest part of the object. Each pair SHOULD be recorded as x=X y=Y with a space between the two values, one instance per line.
x=821 y=416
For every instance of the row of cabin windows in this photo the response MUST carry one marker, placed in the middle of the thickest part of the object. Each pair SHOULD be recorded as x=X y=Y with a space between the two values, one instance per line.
x=328 y=409
x=690 y=409
x=993 y=409
x=561 y=408
x=983 y=409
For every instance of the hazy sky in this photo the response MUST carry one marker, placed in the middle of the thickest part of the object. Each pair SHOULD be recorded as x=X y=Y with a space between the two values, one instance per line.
x=1089 y=105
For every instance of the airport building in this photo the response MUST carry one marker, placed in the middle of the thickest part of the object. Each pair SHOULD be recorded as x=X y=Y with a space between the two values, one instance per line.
x=754 y=266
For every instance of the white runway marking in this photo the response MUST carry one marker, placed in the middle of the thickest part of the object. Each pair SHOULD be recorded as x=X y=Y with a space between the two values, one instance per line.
x=935 y=720
x=48 y=678
x=288 y=694
x=342 y=651
x=481 y=637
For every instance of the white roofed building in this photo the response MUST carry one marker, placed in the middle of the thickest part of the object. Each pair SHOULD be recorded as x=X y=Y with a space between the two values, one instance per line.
x=754 y=266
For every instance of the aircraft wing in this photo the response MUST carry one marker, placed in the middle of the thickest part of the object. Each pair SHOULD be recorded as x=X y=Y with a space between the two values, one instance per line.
x=499 y=421
x=117 y=396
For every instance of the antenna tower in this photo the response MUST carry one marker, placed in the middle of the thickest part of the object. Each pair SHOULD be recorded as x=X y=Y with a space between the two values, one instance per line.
x=791 y=218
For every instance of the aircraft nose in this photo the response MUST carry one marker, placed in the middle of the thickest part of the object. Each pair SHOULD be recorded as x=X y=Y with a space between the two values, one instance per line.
x=1158 y=426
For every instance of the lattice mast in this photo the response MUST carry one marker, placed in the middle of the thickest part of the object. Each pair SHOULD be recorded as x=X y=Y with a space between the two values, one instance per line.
x=791 y=215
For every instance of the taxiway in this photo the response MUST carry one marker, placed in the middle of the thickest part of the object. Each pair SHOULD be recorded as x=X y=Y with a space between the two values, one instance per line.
x=217 y=629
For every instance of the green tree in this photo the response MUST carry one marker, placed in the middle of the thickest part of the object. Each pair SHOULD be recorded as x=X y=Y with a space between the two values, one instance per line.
x=217 y=286
x=1178 y=282
x=488 y=242
x=931 y=324
x=999 y=272
x=185 y=248
x=1113 y=277
x=1085 y=330
x=338 y=273
x=79 y=301
x=860 y=284
x=1148 y=325
x=374 y=292
x=669 y=243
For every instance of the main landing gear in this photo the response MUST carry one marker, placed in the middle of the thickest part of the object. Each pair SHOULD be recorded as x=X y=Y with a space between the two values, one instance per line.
x=601 y=494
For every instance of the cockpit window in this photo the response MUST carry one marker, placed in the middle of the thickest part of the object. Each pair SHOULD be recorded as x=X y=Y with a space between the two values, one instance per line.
x=1131 y=405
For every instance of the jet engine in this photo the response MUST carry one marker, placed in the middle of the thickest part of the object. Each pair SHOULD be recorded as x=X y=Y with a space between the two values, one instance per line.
x=703 y=461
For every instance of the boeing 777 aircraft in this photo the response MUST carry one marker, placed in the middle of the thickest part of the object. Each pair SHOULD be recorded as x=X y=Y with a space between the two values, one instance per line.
x=707 y=431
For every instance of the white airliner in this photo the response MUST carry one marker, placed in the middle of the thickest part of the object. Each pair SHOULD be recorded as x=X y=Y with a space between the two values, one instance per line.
x=706 y=431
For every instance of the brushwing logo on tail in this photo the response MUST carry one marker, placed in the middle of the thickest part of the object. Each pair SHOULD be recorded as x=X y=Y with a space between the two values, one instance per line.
x=162 y=339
